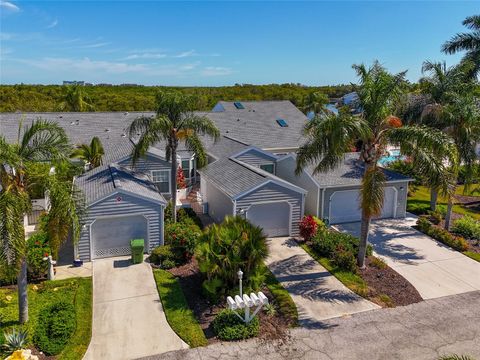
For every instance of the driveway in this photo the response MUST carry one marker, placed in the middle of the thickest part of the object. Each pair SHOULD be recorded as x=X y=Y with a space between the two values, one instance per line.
x=433 y=268
x=128 y=320
x=317 y=293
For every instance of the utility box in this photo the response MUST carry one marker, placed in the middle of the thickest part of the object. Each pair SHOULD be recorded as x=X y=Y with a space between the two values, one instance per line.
x=137 y=246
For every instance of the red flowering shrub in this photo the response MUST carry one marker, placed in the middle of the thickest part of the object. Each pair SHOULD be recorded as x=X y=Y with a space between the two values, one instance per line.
x=182 y=239
x=394 y=122
x=37 y=249
x=308 y=227
x=181 y=182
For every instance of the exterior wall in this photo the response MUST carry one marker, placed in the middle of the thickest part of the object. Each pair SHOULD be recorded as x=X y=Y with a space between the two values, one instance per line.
x=219 y=204
x=272 y=192
x=255 y=158
x=402 y=191
x=286 y=171
x=129 y=205
x=147 y=164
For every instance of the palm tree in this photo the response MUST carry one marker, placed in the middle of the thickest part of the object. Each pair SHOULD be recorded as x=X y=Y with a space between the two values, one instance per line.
x=462 y=123
x=469 y=42
x=175 y=121
x=75 y=99
x=41 y=141
x=329 y=137
x=314 y=102
x=441 y=84
x=91 y=154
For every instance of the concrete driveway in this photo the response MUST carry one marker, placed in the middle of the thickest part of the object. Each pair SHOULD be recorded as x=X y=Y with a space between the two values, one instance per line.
x=128 y=320
x=317 y=293
x=433 y=268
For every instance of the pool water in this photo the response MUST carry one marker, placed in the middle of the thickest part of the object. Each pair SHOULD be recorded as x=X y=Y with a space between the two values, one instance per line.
x=391 y=157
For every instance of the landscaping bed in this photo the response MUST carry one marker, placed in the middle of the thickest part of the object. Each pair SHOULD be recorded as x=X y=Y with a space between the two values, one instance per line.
x=77 y=292
x=271 y=327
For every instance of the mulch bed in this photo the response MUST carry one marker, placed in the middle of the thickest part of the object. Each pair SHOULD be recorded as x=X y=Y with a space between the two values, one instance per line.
x=388 y=282
x=190 y=278
x=469 y=202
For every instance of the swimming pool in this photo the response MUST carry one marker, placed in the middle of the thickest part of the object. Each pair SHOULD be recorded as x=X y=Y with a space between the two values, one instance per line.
x=391 y=157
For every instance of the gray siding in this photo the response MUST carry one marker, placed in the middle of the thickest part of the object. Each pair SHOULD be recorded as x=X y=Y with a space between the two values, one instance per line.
x=401 y=197
x=219 y=204
x=272 y=192
x=147 y=164
x=255 y=158
x=128 y=206
x=286 y=171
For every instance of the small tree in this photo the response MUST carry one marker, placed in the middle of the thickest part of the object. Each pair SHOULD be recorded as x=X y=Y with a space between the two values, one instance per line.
x=308 y=227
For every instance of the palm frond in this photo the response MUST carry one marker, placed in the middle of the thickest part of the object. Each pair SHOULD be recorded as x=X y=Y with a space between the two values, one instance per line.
x=372 y=192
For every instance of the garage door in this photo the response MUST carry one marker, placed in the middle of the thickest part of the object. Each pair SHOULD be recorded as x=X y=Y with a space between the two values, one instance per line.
x=111 y=237
x=274 y=218
x=345 y=206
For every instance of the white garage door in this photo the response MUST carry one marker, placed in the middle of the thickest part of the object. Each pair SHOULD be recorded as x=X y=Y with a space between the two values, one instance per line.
x=111 y=237
x=345 y=206
x=274 y=218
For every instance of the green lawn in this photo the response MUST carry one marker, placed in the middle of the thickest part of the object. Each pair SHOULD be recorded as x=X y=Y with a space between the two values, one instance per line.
x=419 y=201
x=77 y=291
x=351 y=280
x=283 y=300
x=179 y=315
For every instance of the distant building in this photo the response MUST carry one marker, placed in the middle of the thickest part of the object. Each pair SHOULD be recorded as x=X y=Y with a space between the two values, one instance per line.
x=74 y=82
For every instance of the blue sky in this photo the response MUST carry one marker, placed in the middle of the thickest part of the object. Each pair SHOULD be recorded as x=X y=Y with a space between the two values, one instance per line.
x=220 y=43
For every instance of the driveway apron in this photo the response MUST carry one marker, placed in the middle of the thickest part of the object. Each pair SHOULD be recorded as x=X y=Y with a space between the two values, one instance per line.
x=317 y=294
x=434 y=269
x=128 y=319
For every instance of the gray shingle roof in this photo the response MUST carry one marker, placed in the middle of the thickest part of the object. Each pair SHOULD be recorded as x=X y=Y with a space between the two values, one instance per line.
x=225 y=147
x=349 y=173
x=104 y=180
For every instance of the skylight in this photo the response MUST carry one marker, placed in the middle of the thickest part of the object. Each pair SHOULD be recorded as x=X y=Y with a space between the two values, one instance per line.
x=239 y=105
x=282 y=123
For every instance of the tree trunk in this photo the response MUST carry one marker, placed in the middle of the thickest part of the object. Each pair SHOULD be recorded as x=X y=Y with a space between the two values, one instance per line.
x=448 y=216
x=362 y=249
x=433 y=198
x=174 y=183
x=22 y=292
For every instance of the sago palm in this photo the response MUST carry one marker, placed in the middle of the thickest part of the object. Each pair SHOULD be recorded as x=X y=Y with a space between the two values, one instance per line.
x=91 y=154
x=329 y=137
x=41 y=141
x=468 y=42
x=175 y=122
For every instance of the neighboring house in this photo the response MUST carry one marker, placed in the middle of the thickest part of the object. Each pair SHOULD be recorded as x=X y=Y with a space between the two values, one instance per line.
x=121 y=205
x=250 y=173
x=335 y=195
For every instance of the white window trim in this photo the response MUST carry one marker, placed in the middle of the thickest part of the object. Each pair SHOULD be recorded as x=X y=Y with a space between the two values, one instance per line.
x=169 y=179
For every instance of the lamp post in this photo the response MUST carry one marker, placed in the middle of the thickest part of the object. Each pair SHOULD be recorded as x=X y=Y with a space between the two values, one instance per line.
x=240 y=277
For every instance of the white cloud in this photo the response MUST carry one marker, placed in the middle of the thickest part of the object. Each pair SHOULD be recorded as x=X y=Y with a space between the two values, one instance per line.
x=95 y=45
x=53 y=24
x=216 y=71
x=145 y=56
x=186 y=54
x=9 y=6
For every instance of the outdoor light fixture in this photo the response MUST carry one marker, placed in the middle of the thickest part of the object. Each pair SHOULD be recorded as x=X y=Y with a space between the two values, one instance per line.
x=243 y=301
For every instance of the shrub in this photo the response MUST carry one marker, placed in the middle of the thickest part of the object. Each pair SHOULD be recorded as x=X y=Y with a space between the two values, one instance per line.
x=442 y=235
x=224 y=249
x=168 y=264
x=467 y=227
x=188 y=215
x=308 y=227
x=37 y=249
x=182 y=240
x=436 y=217
x=56 y=324
x=378 y=263
x=8 y=274
x=344 y=258
x=161 y=254
x=229 y=327
x=423 y=225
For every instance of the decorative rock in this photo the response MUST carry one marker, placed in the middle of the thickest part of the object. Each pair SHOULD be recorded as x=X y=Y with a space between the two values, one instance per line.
x=22 y=355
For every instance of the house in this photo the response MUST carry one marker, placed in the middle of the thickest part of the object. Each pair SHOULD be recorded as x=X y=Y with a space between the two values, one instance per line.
x=250 y=173
x=335 y=195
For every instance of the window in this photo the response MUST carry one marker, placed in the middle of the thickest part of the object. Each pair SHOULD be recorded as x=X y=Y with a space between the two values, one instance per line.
x=186 y=168
x=268 y=168
x=282 y=123
x=239 y=105
x=161 y=178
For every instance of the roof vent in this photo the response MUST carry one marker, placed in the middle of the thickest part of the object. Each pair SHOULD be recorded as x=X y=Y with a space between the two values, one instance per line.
x=72 y=123
x=107 y=130
x=239 y=105
x=124 y=135
x=61 y=117
x=282 y=123
x=125 y=113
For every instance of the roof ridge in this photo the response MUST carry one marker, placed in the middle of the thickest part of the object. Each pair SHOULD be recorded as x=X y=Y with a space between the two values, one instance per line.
x=236 y=140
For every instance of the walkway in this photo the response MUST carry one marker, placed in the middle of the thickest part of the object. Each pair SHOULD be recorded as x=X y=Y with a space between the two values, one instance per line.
x=434 y=269
x=128 y=320
x=317 y=293
x=422 y=331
